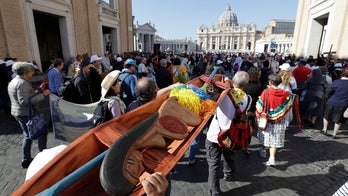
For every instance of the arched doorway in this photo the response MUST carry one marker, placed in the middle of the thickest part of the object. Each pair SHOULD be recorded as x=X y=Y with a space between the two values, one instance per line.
x=48 y=37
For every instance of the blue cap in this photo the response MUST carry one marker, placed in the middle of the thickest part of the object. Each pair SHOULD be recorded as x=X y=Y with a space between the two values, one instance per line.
x=130 y=62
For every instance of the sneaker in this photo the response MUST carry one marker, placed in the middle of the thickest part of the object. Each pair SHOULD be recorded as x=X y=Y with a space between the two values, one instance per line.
x=25 y=164
x=262 y=153
x=271 y=162
x=324 y=132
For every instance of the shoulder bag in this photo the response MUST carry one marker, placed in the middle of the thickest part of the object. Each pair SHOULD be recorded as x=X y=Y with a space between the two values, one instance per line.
x=262 y=119
x=36 y=124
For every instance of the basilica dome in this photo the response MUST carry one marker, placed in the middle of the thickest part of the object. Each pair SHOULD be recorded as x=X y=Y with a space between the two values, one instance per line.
x=227 y=18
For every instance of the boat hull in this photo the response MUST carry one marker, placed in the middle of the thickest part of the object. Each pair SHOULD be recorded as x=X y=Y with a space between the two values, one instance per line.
x=99 y=139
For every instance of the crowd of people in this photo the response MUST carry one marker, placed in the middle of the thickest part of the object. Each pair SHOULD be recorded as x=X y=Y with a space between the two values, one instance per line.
x=271 y=81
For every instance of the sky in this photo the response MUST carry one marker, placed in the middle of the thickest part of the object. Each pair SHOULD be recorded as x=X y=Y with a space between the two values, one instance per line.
x=180 y=19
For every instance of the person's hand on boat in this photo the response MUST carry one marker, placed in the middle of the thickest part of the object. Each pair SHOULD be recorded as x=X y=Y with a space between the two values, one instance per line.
x=155 y=185
x=228 y=81
x=162 y=91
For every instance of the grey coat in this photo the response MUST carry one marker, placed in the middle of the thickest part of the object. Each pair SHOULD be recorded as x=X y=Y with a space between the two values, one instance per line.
x=19 y=91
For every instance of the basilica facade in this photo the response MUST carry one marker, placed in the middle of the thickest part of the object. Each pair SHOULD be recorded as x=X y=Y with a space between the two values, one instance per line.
x=321 y=28
x=228 y=35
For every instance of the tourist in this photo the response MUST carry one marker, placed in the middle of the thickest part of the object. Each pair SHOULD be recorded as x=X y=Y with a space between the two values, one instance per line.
x=222 y=120
x=301 y=73
x=288 y=81
x=20 y=90
x=110 y=91
x=313 y=101
x=142 y=68
x=129 y=78
x=55 y=78
x=337 y=103
x=163 y=76
x=94 y=77
x=278 y=103
x=69 y=66
x=146 y=90
x=254 y=90
x=81 y=83
x=179 y=72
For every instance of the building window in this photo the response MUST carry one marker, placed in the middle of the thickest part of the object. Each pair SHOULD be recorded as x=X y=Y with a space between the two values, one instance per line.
x=113 y=4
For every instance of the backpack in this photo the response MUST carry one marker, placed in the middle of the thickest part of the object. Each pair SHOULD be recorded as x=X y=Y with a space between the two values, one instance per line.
x=125 y=93
x=68 y=90
x=102 y=113
x=238 y=137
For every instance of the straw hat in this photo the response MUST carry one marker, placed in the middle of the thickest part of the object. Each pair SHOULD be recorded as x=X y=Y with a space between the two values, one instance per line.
x=108 y=81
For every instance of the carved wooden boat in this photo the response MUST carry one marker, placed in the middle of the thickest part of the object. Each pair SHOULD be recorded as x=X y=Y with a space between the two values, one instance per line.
x=99 y=139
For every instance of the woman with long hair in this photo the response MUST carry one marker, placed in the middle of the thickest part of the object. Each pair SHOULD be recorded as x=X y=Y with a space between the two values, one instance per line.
x=111 y=86
x=288 y=80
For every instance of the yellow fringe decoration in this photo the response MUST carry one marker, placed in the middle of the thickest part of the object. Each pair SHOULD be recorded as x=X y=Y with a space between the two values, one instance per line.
x=188 y=98
x=208 y=107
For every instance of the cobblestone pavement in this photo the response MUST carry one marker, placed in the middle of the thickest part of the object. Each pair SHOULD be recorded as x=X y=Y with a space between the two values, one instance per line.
x=309 y=164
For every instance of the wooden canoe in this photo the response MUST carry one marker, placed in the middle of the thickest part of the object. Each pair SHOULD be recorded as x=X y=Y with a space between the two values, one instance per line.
x=99 y=139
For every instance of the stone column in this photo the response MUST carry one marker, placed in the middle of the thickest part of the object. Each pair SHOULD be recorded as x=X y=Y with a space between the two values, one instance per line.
x=149 y=42
x=142 y=42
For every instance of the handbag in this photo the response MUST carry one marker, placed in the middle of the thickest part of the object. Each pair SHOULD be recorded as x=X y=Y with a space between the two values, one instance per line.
x=262 y=119
x=345 y=113
x=36 y=124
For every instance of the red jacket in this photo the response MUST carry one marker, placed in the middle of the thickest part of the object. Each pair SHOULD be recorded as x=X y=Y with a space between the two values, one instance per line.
x=301 y=73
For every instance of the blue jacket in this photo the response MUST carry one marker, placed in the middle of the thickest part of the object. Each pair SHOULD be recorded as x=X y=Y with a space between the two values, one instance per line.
x=130 y=82
x=55 y=80
x=340 y=96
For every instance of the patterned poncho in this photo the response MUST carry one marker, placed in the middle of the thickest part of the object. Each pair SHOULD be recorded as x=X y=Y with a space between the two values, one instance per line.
x=279 y=103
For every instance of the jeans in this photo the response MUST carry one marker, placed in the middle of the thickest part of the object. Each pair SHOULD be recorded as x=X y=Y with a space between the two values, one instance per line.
x=26 y=146
x=194 y=147
x=214 y=152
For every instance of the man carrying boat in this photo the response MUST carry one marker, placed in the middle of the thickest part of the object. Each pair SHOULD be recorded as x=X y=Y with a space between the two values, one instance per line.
x=222 y=120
